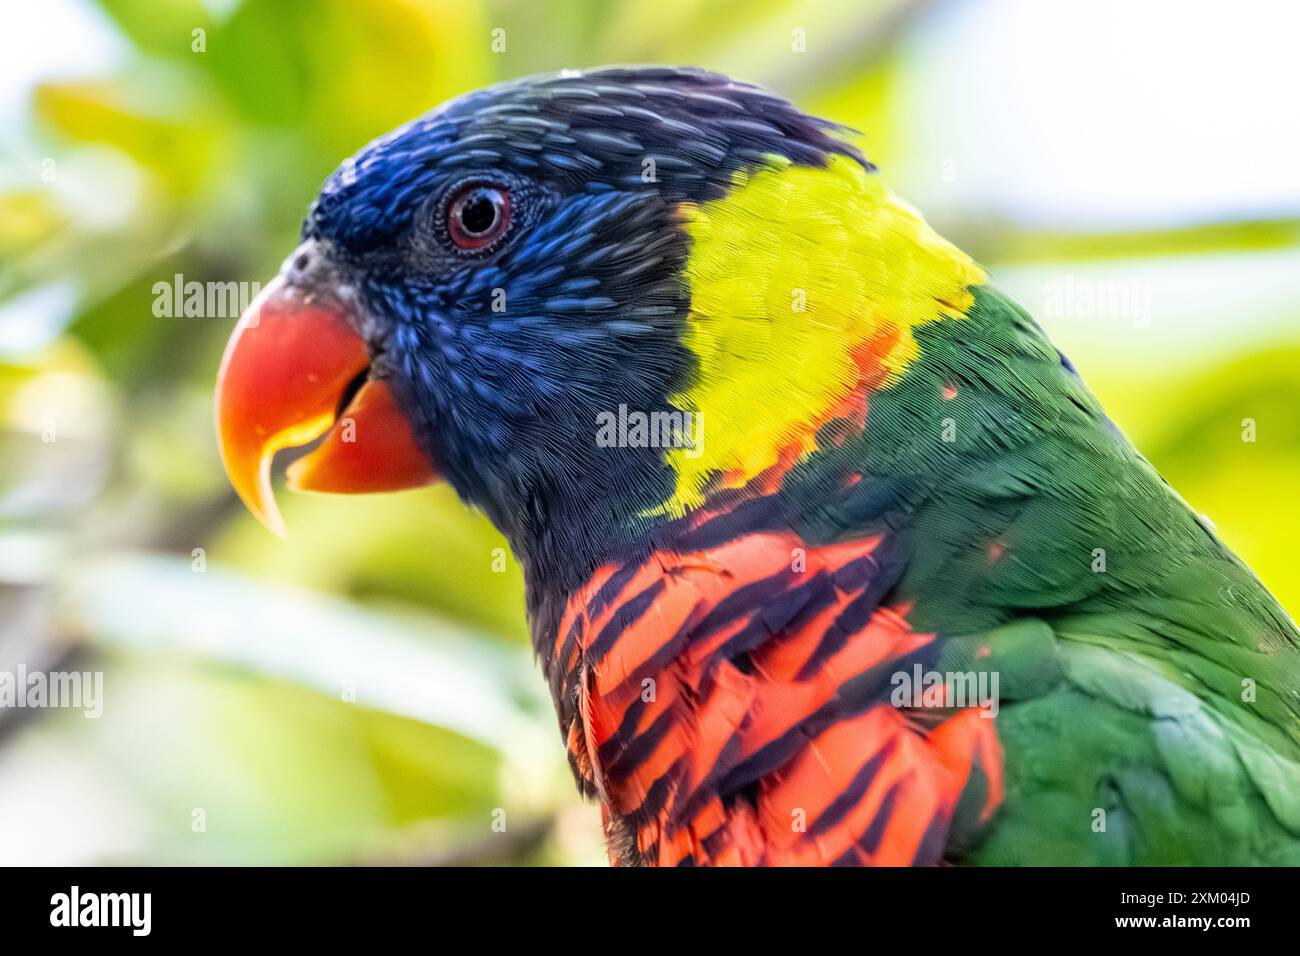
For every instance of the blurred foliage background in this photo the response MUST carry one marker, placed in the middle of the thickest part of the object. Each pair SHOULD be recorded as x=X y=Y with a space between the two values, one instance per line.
x=363 y=692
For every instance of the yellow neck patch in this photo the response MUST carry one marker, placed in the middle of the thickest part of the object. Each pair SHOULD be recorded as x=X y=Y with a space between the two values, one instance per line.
x=806 y=284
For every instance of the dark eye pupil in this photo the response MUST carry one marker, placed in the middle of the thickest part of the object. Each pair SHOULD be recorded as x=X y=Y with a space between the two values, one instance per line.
x=479 y=212
x=478 y=216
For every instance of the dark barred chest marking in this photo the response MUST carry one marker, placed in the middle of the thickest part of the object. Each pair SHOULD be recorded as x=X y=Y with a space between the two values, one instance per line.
x=731 y=705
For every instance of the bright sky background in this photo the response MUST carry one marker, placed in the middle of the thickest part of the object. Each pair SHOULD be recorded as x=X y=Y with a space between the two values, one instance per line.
x=50 y=38
x=1107 y=113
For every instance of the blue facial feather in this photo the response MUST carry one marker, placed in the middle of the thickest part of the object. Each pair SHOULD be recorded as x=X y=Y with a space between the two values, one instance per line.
x=504 y=360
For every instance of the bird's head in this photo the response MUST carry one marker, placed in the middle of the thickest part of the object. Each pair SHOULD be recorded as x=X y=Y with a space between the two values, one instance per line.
x=588 y=301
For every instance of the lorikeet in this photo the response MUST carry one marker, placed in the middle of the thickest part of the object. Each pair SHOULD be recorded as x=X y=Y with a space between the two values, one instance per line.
x=769 y=449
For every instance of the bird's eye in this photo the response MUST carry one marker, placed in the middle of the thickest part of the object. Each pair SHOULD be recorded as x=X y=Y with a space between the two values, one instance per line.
x=478 y=215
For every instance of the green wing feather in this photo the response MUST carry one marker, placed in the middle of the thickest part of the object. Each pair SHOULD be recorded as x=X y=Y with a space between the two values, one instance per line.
x=1149 y=683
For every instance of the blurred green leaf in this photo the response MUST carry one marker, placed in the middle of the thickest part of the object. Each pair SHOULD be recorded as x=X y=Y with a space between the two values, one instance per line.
x=345 y=71
x=28 y=217
x=223 y=768
x=181 y=150
x=162 y=28
x=423 y=546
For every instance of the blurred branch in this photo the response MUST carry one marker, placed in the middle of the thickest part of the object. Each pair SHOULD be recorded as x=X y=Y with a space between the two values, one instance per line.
x=995 y=239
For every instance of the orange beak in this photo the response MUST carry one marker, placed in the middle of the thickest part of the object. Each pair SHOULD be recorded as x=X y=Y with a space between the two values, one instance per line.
x=290 y=374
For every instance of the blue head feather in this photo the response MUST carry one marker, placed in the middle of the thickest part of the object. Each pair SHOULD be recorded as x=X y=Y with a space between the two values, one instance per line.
x=504 y=361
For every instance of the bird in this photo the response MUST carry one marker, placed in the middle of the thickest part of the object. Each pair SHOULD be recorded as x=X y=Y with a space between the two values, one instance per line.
x=831 y=557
